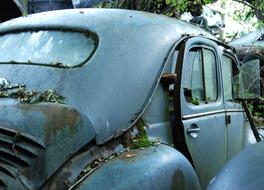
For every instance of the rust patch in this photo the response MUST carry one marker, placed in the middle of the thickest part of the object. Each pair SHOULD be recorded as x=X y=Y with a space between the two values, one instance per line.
x=58 y=118
x=247 y=51
x=124 y=139
x=61 y=182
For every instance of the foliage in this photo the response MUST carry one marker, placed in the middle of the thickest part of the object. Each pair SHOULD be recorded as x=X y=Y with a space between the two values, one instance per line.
x=48 y=96
x=195 y=101
x=29 y=96
x=256 y=6
x=141 y=140
x=256 y=108
x=246 y=14
x=173 y=8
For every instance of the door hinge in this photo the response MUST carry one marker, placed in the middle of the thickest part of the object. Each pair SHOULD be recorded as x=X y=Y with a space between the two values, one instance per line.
x=228 y=119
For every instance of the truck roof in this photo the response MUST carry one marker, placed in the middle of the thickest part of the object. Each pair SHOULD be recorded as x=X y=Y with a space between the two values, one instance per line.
x=102 y=20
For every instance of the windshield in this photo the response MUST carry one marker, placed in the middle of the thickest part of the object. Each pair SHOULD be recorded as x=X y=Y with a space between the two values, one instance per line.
x=51 y=48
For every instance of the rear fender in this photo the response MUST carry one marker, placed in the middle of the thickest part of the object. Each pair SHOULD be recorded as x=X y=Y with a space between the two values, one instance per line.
x=160 y=167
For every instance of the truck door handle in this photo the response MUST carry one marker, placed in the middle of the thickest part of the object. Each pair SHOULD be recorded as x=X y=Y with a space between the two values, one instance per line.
x=193 y=130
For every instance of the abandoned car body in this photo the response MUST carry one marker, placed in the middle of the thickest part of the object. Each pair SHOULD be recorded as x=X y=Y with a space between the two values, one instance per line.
x=79 y=87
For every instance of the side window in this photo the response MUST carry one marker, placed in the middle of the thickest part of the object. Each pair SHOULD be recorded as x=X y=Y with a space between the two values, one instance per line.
x=227 y=73
x=202 y=85
x=197 y=85
x=210 y=75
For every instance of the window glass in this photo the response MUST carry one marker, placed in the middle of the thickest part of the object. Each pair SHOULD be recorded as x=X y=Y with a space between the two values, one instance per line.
x=210 y=75
x=227 y=73
x=197 y=86
x=200 y=84
x=251 y=78
x=238 y=86
x=46 y=47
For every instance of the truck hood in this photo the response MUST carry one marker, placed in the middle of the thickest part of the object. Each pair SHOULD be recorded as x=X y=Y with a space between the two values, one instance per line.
x=35 y=139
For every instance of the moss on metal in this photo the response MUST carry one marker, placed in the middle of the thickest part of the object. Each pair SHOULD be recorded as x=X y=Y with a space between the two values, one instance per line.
x=195 y=101
x=141 y=140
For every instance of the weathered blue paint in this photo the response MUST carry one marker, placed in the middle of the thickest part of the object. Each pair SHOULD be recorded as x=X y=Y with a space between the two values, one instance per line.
x=108 y=90
x=37 y=139
x=160 y=167
x=157 y=117
x=116 y=61
x=104 y=98
x=243 y=172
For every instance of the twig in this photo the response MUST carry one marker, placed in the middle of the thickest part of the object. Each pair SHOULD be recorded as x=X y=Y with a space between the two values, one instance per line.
x=251 y=6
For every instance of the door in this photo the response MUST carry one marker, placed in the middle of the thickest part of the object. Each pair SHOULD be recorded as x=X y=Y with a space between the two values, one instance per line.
x=235 y=117
x=201 y=106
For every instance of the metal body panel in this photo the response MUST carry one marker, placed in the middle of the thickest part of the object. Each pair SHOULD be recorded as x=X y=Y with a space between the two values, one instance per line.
x=243 y=172
x=77 y=167
x=32 y=136
x=159 y=167
x=235 y=117
x=157 y=118
x=236 y=133
x=209 y=147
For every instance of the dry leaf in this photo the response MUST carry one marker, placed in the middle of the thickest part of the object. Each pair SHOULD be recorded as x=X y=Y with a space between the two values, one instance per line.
x=130 y=155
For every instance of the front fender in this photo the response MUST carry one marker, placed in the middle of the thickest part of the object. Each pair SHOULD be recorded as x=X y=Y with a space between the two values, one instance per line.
x=160 y=167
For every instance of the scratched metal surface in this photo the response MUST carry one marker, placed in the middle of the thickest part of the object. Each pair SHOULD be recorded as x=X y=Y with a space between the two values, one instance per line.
x=36 y=139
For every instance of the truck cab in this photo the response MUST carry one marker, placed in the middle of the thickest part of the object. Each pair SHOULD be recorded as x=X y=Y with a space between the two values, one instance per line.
x=106 y=98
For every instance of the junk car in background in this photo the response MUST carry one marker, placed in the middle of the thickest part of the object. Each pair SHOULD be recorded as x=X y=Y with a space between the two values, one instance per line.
x=104 y=98
x=14 y=8
x=250 y=51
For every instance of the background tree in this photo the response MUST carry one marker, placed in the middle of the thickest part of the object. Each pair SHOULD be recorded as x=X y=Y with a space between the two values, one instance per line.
x=173 y=8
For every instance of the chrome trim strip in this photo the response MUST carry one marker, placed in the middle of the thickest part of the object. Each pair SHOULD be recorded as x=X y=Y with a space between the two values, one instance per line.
x=191 y=116
x=202 y=114
x=234 y=110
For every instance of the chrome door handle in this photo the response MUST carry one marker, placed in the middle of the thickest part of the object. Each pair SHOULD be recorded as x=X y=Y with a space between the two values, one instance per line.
x=193 y=130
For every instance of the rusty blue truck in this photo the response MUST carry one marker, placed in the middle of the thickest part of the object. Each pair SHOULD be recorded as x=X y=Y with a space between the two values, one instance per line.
x=115 y=99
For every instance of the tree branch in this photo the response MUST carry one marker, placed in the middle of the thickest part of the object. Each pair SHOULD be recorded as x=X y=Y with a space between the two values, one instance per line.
x=251 y=6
